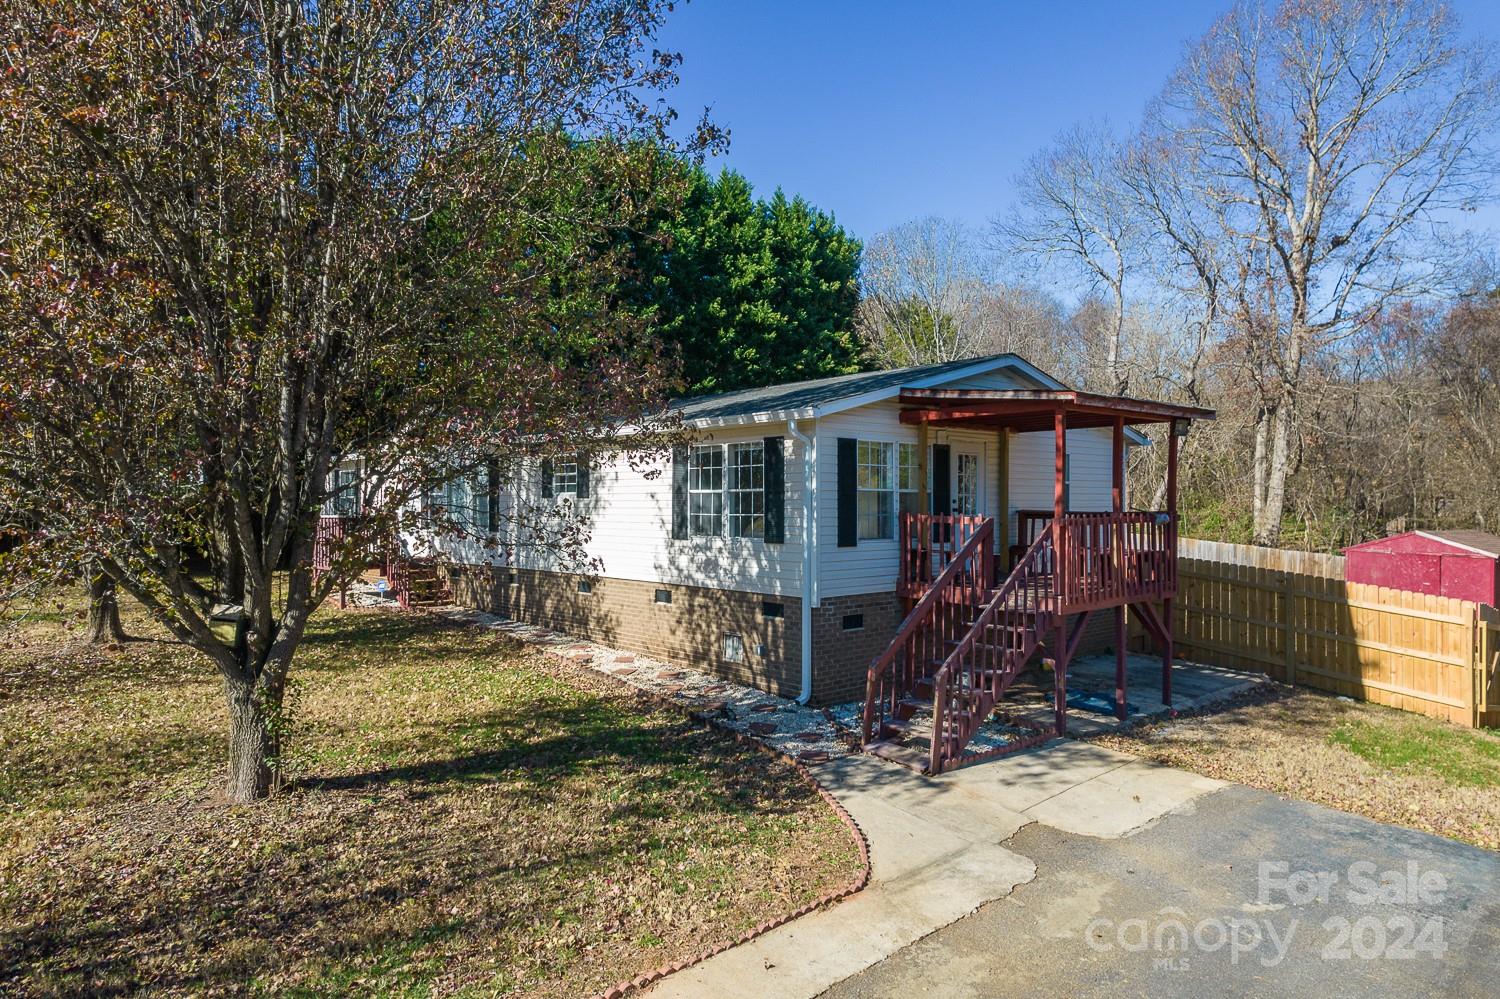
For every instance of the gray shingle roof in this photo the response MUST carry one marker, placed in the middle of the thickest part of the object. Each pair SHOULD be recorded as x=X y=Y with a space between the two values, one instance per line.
x=819 y=392
x=1489 y=544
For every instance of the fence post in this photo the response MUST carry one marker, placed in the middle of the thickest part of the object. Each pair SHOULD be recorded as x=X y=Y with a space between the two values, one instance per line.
x=1482 y=654
x=1289 y=626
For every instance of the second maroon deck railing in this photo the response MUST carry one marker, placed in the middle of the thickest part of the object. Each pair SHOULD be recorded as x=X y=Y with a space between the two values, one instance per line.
x=1107 y=558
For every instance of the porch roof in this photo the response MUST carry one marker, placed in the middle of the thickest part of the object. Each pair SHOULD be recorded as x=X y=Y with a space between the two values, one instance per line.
x=1033 y=410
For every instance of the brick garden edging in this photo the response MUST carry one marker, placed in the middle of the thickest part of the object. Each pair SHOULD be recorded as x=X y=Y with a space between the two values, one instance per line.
x=709 y=720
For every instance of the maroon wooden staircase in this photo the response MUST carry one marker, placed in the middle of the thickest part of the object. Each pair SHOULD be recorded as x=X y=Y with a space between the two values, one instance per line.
x=413 y=583
x=971 y=632
x=957 y=652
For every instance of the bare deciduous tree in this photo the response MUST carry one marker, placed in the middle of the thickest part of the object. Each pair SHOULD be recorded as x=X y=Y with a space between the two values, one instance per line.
x=922 y=285
x=1074 y=208
x=1332 y=138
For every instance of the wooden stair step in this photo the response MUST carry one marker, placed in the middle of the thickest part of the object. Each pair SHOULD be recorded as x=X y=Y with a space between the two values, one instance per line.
x=895 y=752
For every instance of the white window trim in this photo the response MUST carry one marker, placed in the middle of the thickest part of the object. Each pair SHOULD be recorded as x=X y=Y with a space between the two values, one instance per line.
x=694 y=518
x=732 y=489
x=892 y=473
x=559 y=476
x=725 y=492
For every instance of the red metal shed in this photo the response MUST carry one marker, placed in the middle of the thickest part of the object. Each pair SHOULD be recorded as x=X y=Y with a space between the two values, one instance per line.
x=1461 y=564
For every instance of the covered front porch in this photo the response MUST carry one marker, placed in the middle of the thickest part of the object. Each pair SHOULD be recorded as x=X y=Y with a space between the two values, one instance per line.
x=984 y=597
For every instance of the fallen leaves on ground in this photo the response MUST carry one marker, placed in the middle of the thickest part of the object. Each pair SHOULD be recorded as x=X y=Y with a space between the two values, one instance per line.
x=466 y=816
x=1297 y=743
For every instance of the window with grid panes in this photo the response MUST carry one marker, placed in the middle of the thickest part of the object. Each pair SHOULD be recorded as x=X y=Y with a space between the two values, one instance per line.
x=746 y=489
x=706 y=490
x=875 y=481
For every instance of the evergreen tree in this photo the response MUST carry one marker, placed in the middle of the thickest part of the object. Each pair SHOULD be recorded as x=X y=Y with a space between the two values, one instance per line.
x=751 y=292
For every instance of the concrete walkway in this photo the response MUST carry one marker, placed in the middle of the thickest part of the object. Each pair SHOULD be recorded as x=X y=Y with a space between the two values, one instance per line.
x=935 y=844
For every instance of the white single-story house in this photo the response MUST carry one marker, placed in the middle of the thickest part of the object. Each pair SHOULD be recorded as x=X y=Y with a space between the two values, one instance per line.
x=807 y=523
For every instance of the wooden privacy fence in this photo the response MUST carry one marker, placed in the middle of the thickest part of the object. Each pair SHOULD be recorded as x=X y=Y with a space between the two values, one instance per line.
x=1413 y=651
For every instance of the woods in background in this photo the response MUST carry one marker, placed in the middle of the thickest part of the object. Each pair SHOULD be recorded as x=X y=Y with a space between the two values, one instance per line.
x=1279 y=239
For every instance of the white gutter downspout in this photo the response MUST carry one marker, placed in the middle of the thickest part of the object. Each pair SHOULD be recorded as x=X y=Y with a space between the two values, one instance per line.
x=809 y=547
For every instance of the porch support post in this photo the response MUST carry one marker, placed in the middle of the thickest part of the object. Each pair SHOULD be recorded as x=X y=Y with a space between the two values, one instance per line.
x=1166 y=605
x=1059 y=573
x=1002 y=503
x=1117 y=497
x=924 y=435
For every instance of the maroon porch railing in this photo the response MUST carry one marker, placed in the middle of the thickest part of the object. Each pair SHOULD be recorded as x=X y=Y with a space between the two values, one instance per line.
x=329 y=535
x=944 y=614
x=929 y=543
x=1109 y=558
x=329 y=540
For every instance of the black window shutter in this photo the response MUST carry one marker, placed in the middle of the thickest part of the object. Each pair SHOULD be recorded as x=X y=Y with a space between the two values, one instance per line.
x=775 y=488
x=492 y=484
x=848 y=493
x=546 y=478
x=942 y=480
x=582 y=491
x=680 y=491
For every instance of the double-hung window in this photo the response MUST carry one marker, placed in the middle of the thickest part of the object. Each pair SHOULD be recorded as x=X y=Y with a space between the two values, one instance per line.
x=464 y=502
x=876 y=482
x=745 y=486
x=565 y=478
x=706 y=490
x=727 y=490
x=344 y=501
x=906 y=478
x=886 y=484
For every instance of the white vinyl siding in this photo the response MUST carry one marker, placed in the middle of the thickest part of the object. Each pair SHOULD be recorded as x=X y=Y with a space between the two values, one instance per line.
x=1091 y=481
x=870 y=566
x=629 y=510
x=629 y=513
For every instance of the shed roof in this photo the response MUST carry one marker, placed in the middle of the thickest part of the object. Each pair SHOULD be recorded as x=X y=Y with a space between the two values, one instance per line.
x=1032 y=410
x=1478 y=542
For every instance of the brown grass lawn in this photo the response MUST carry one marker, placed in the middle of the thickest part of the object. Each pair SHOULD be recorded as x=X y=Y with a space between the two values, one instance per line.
x=1385 y=764
x=466 y=817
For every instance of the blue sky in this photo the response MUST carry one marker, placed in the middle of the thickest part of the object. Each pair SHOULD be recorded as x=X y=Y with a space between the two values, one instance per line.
x=883 y=111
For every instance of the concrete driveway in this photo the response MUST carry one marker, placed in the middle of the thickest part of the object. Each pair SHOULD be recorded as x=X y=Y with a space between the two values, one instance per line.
x=1239 y=893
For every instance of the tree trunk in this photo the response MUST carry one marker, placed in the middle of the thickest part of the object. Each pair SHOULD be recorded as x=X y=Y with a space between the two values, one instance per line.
x=229 y=567
x=104 y=610
x=251 y=742
x=1275 y=464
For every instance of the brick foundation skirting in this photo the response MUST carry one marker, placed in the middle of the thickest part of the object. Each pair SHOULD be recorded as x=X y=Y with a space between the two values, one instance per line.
x=688 y=631
x=842 y=656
